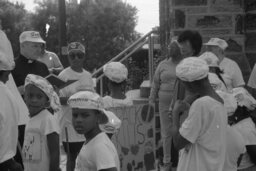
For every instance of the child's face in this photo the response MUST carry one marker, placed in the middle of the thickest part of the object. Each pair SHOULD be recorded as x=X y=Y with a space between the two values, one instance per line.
x=84 y=120
x=35 y=99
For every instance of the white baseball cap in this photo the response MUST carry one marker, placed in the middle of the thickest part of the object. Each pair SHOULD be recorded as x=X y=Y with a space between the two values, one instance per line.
x=191 y=69
x=217 y=42
x=31 y=36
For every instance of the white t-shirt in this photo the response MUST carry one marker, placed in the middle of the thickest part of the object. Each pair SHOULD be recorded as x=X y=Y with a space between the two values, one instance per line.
x=65 y=116
x=232 y=73
x=205 y=128
x=109 y=102
x=99 y=153
x=9 y=114
x=252 y=79
x=35 y=148
x=235 y=147
x=248 y=131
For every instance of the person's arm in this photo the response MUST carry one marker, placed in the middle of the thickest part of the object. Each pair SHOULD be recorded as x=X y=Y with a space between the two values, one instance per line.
x=155 y=85
x=54 y=152
x=178 y=140
x=238 y=80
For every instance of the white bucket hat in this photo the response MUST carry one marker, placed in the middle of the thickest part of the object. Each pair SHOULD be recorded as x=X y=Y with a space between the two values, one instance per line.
x=115 y=71
x=192 y=69
x=88 y=100
x=31 y=36
x=113 y=125
x=217 y=42
x=46 y=87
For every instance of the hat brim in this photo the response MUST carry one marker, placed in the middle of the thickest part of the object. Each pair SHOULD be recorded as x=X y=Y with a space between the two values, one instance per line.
x=35 y=41
x=211 y=44
x=103 y=117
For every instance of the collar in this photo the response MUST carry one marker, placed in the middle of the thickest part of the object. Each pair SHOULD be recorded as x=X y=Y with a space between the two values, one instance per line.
x=23 y=58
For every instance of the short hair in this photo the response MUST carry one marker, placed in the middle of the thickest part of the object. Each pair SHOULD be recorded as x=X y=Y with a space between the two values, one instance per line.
x=194 y=38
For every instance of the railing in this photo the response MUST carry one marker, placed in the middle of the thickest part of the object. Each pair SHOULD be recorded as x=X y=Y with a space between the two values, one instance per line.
x=147 y=38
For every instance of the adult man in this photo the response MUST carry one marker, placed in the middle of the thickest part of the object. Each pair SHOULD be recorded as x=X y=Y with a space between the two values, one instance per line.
x=26 y=63
x=51 y=60
x=232 y=74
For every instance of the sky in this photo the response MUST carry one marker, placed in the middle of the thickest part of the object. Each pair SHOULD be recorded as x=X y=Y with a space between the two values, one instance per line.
x=148 y=13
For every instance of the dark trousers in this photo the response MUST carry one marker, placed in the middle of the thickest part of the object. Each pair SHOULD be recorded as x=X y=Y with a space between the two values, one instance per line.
x=18 y=157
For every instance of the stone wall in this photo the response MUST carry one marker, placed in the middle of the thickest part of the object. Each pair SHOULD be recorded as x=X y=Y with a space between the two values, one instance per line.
x=232 y=20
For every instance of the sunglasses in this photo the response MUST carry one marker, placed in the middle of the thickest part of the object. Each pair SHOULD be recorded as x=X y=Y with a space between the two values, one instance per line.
x=76 y=55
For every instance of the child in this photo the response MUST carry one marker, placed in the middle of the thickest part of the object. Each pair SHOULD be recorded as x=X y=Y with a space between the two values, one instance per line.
x=202 y=136
x=9 y=113
x=41 y=142
x=98 y=153
x=76 y=57
x=117 y=74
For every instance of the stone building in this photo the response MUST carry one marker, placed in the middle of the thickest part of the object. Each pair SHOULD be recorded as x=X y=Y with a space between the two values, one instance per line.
x=232 y=20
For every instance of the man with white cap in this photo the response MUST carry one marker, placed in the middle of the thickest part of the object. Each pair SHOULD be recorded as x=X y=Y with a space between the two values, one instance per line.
x=202 y=136
x=9 y=115
x=117 y=74
x=26 y=63
x=233 y=76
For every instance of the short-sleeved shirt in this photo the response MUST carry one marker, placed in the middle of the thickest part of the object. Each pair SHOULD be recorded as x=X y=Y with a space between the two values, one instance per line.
x=23 y=67
x=98 y=154
x=232 y=73
x=9 y=114
x=205 y=129
x=65 y=117
x=252 y=79
x=35 y=148
x=235 y=147
x=51 y=60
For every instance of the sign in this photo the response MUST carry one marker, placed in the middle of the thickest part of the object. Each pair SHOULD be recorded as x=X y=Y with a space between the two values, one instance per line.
x=135 y=141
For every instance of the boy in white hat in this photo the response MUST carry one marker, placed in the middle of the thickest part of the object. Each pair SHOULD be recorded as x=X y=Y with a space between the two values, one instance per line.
x=233 y=76
x=117 y=75
x=9 y=117
x=98 y=152
x=76 y=57
x=202 y=136
x=41 y=142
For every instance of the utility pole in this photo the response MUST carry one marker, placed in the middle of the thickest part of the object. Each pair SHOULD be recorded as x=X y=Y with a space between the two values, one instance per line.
x=62 y=33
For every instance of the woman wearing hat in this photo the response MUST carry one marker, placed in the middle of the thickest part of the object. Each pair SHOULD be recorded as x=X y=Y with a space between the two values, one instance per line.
x=202 y=136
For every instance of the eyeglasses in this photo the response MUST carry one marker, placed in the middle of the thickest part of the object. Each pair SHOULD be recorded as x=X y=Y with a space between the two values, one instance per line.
x=76 y=55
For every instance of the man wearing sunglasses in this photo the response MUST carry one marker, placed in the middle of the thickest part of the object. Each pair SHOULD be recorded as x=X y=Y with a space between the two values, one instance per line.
x=76 y=57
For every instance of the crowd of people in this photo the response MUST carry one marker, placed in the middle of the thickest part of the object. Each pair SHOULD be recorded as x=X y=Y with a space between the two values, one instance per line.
x=207 y=113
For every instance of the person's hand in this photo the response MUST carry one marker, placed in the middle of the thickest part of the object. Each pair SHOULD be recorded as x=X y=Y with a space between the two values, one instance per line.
x=21 y=90
x=180 y=106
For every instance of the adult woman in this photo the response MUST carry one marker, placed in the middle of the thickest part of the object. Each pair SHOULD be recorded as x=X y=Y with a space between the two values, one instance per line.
x=163 y=84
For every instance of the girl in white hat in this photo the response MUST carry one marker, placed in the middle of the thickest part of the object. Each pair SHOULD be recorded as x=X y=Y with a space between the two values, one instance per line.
x=41 y=142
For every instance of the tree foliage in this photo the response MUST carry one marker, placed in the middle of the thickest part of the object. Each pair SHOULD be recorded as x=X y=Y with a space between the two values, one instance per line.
x=13 y=20
x=105 y=27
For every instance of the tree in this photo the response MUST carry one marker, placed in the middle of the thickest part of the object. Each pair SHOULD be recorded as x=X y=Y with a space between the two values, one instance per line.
x=105 y=27
x=13 y=19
